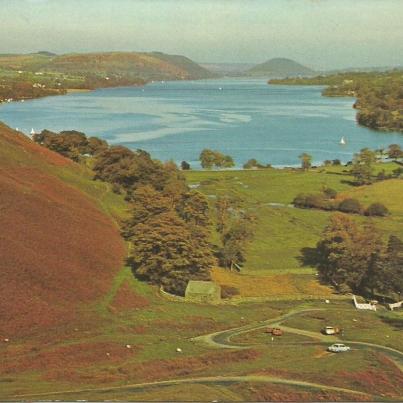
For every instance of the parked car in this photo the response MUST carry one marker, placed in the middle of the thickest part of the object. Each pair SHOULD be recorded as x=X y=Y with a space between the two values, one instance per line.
x=331 y=330
x=338 y=348
x=274 y=331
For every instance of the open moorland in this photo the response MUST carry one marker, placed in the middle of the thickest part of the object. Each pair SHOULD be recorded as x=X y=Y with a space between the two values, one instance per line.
x=124 y=340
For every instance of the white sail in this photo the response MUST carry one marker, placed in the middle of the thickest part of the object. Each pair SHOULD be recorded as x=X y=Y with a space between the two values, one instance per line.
x=343 y=140
x=32 y=131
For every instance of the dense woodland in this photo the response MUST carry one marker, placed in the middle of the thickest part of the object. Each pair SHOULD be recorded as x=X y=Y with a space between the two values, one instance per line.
x=353 y=257
x=379 y=96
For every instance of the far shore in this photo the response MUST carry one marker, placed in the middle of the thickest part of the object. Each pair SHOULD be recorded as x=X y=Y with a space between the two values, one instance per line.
x=72 y=90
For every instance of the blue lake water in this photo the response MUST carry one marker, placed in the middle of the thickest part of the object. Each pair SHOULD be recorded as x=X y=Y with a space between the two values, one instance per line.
x=176 y=120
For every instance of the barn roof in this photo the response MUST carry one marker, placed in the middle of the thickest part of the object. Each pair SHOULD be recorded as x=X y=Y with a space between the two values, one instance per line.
x=201 y=287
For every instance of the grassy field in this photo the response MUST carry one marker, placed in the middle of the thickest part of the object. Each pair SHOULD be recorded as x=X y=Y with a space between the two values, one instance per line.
x=282 y=231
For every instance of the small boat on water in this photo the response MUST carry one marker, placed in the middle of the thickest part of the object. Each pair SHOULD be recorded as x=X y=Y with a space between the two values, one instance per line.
x=32 y=131
x=343 y=141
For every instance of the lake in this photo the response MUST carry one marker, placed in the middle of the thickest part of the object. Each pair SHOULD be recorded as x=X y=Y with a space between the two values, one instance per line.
x=245 y=118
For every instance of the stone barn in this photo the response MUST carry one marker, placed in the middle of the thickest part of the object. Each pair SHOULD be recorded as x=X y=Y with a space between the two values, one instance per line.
x=205 y=292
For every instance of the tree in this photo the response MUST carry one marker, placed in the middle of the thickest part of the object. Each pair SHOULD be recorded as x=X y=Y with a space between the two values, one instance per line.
x=362 y=168
x=225 y=206
x=146 y=204
x=165 y=253
x=254 y=164
x=395 y=152
x=185 y=166
x=226 y=161
x=377 y=209
x=234 y=240
x=129 y=169
x=386 y=275
x=306 y=161
x=96 y=145
x=193 y=208
x=350 y=206
x=207 y=158
x=346 y=252
x=394 y=257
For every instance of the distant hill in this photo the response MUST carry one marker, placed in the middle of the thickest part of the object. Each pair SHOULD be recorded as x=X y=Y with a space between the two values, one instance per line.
x=148 y=66
x=279 y=68
x=227 y=68
x=59 y=250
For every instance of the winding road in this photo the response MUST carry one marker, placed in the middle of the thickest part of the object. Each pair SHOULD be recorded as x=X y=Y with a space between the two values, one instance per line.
x=221 y=340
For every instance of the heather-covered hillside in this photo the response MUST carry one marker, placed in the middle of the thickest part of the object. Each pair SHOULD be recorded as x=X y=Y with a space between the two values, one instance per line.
x=59 y=249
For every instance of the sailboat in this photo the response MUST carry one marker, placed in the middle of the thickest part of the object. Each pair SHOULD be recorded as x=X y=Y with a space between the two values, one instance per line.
x=32 y=131
x=343 y=141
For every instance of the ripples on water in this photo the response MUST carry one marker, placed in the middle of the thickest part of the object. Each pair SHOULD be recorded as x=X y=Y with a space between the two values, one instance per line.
x=176 y=120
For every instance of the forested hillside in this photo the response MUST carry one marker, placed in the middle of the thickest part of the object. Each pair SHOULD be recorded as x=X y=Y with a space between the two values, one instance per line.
x=379 y=95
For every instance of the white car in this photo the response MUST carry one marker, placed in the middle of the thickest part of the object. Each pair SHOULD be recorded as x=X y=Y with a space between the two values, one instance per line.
x=338 y=348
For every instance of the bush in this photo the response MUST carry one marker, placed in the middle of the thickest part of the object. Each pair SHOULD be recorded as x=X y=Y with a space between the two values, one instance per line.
x=228 y=291
x=300 y=200
x=377 y=209
x=185 y=166
x=312 y=201
x=254 y=164
x=330 y=193
x=350 y=206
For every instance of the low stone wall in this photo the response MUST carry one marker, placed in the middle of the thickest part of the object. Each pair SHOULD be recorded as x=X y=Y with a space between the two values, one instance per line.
x=395 y=305
x=171 y=297
x=358 y=305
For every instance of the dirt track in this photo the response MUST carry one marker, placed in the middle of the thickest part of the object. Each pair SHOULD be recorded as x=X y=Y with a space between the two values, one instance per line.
x=223 y=340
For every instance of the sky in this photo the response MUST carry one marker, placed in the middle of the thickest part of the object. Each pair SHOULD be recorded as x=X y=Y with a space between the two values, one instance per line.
x=322 y=34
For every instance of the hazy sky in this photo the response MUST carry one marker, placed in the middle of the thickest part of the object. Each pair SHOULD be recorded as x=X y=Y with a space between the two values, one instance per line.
x=319 y=33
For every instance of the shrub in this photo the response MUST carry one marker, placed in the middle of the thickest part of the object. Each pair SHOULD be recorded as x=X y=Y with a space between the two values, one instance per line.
x=254 y=164
x=312 y=201
x=377 y=209
x=330 y=193
x=350 y=206
x=300 y=200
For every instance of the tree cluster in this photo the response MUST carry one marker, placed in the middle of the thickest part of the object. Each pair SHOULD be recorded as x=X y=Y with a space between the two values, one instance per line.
x=254 y=164
x=168 y=225
x=72 y=144
x=353 y=257
x=327 y=201
x=209 y=159
x=169 y=237
x=235 y=227
x=379 y=95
